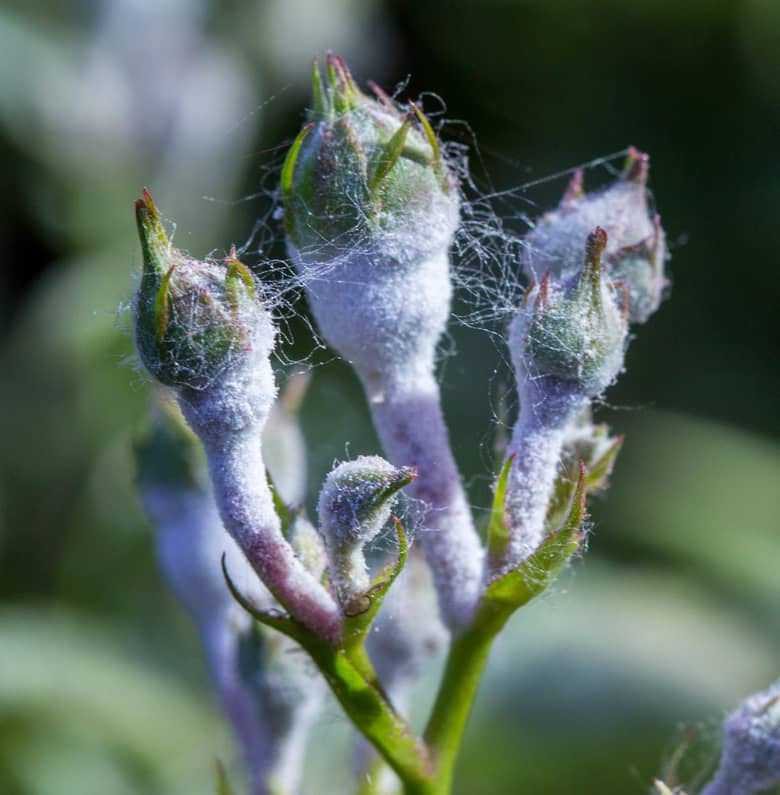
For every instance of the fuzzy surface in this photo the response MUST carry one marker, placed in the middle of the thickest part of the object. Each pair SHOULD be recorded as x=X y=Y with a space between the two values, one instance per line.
x=271 y=703
x=384 y=308
x=750 y=759
x=228 y=417
x=556 y=242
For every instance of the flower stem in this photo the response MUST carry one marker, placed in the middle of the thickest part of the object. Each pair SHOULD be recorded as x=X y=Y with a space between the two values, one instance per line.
x=457 y=691
x=411 y=427
x=246 y=506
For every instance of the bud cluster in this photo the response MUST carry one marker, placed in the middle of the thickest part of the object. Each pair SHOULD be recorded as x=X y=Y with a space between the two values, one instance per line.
x=596 y=265
x=370 y=208
x=635 y=252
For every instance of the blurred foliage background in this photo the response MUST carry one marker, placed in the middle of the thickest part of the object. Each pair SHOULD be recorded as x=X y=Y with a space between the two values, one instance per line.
x=673 y=615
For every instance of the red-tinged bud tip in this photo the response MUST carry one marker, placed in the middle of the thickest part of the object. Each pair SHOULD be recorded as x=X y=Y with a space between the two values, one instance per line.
x=597 y=242
x=637 y=166
x=381 y=95
x=575 y=190
x=544 y=291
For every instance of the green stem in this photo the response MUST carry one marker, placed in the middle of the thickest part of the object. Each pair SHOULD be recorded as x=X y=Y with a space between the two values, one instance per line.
x=460 y=682
x=366 y=706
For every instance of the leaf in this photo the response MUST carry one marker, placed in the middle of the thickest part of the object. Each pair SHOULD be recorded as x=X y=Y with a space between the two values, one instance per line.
x=356 y=626
x=498 y=531
x=389 y=155
x=222 y=781
x=512 y=590
x=286 y=515
x=270 y=618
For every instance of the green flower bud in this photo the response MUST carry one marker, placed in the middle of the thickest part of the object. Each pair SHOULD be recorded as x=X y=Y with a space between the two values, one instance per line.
x=193 y=318
x=354 y=504
x=363 y=172
x=636 y=250
x=575 y=335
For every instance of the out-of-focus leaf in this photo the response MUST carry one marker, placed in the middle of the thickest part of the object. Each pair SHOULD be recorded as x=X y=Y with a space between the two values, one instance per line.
x=704 y=494
x=56 y=665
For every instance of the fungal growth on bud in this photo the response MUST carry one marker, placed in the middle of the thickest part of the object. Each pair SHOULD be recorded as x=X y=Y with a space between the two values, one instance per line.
x=371 y=206
x=193 y=317
x=354 y=505
x=361 y=171
x=750 y=758
x=202 y=329
x=636 y=249
x=567 y=344
x=370 y=210
x=570 y=337
x=267 y=692
x=583 y=443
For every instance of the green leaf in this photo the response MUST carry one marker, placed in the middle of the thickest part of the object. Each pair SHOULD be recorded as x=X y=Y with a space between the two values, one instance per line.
x=356 y=626
x=287 y=516
x=222 y=782
x=512 y=590
x=498 y=531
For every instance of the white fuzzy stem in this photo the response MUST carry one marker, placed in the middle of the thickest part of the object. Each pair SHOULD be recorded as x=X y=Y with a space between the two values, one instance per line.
x=411 y=427
x=246 y=507
x=537 y=442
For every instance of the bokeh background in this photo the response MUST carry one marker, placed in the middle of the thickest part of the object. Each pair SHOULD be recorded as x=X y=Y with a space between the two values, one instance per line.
x=672 y=617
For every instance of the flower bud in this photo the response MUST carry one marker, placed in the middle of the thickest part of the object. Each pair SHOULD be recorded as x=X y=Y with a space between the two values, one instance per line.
x=571 y=335
x=361 y=172
x=193 y=319
x=371 y=208
x=354 y=504
x=636 y=249
x=590 y=444
x=750 y=759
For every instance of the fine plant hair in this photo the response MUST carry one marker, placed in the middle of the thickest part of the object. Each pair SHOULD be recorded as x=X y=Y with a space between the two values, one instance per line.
x=372 y=204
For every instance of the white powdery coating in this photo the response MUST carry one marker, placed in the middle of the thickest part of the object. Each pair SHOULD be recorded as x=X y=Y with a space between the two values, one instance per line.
x=345 y=510
x=569 y=339
x=228 y=417
x=556 y=242
x=537 y=443
x=272 y=730
x=411 y=427
x=241 y=397
x=548 y=406
x=384 y=310
x=750 y=760
x=349 y=520
x=385 y=316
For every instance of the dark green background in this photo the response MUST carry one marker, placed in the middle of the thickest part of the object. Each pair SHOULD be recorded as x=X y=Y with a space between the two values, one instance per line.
x=671 y=618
